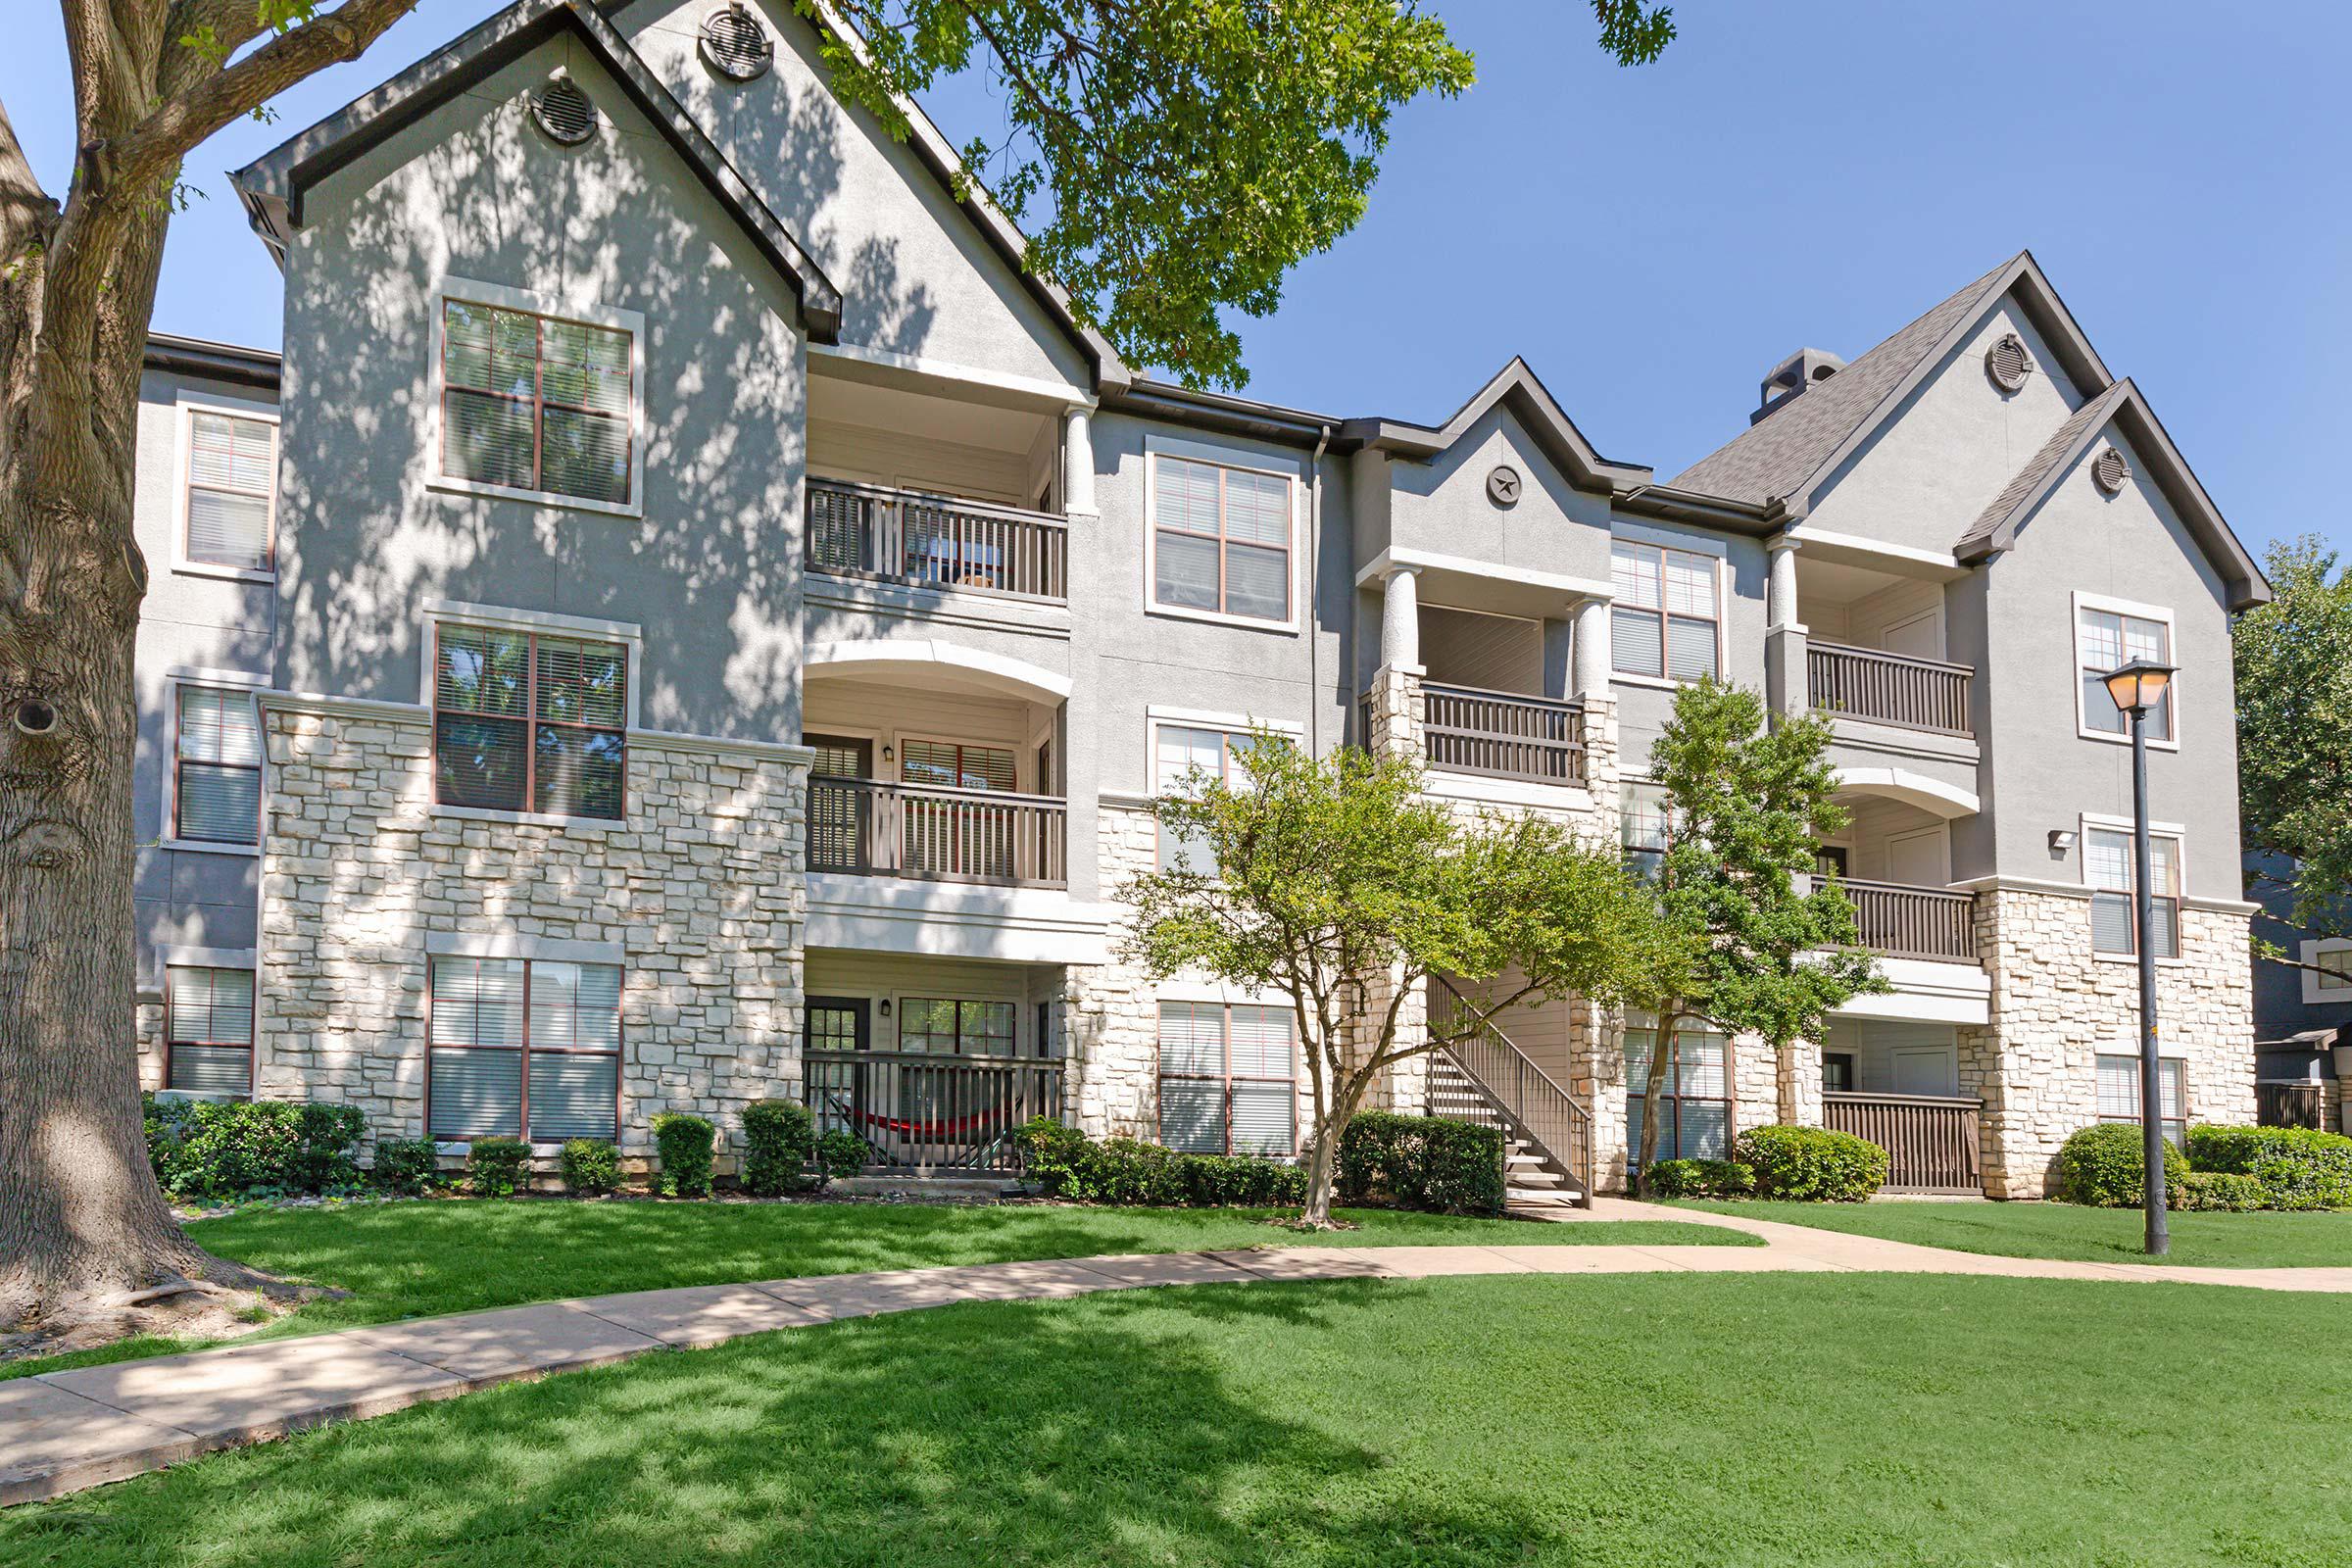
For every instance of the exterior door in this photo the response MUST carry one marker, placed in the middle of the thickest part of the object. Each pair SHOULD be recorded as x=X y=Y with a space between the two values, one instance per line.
x=1919 y=859
x=1925 y=1070
x=835 y=1033
x=1921 y=637
x=841 y=814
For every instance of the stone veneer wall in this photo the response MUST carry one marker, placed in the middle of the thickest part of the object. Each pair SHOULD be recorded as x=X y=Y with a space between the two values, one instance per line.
x=153 y=1058
x=2055 y=1007
x=1110 y=1012
x=703 y=886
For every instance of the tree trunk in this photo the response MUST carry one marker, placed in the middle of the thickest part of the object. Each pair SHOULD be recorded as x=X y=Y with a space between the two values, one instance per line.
x=1654 y=1090
x=1323 y=1159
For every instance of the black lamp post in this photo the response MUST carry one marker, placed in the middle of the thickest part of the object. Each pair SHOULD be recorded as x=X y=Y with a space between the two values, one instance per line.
x=2135 y=687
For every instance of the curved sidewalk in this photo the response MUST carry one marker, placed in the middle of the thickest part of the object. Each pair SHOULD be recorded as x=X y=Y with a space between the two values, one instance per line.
x=61 y=1431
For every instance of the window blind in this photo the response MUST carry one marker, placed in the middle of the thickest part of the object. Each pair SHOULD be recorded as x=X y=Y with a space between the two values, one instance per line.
x=524 y=1049
x=217 y=795
x=208 y=1029
x=232 y=467
x=535 y=403
x=525 y=722
x=1221 y=538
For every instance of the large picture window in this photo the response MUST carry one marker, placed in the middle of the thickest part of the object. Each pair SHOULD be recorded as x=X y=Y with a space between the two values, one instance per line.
x=1228 y=1078
x=1665 y=616
x=2105 y=641
x=216 y=767
x=1220 y=539
x=2119 y=1093
x=1695 y=1113
x=941 y=1026
x=528 y=722
x=232 y=472
x=535 y=403
x=2114 y=920
x=208 y=1030
x=524 y=1049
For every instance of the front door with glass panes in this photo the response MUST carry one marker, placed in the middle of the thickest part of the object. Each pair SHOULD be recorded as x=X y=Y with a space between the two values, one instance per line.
x=835 y=1035
x=841 y=807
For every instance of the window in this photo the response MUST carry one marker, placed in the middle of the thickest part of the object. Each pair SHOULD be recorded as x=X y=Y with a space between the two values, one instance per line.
x=952 y=764
x=2119 y=1093
x=524 y=1049
x=1644 y=826
x=208 y=1030
x=2107 y=866
x=216 y=767
x=233 y=468
x=1837 y=1072
x=1220 y=539
x=2334 y=970
x=1177 y=750
x=1228 y=1078
x=524 y=722
x=936 y=1026
x=1695 y=1113
x=2105 y=641
x=535 y=403
x=1663 y=621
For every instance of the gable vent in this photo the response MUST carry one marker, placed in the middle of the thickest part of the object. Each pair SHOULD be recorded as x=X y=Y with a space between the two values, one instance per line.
x=735 y=45
x=2007 y=363
x=2110 y=469
x=564 y=111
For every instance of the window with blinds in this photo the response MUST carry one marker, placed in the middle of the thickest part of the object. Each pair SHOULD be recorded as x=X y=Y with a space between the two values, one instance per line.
x=1220 y=539
x=528 y=722
x=535 y=403
x=1694 y=1112
x=954 y=765
x=216 y=767
x=1179 y=750
x=231 y=499
x=940 y=1026
x=1664 y=620
x=2106 y=642
x=2119 y=1093
x=1644 y=826
x=2107 y=867
x=208 y=1030
x=1228 y=1078
x=523 y=1049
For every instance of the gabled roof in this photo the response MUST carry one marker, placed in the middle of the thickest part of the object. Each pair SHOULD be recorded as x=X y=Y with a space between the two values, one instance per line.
x=273 y=185
x=1786 y=455
x=2122 y=407
x=1516 y=387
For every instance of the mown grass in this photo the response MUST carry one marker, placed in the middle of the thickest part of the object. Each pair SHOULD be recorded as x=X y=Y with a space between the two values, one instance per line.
x=1470 y=1423
x=2071 y=1230
x=425 y=1259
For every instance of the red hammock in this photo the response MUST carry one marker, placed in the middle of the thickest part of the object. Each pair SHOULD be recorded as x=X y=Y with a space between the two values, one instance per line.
x=925 y=1129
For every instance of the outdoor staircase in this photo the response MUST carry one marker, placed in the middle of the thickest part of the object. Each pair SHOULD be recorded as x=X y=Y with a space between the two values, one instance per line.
x=1547 y=1132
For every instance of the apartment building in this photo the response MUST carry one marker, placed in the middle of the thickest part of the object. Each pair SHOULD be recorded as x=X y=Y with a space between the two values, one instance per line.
x=689 y=622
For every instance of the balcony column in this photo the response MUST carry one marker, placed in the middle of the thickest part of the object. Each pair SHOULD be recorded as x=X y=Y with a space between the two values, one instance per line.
x=1784 y=687
x=1078 y=461
x=1394 y=707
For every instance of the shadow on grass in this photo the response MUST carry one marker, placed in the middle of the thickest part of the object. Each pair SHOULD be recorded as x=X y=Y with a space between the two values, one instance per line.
x=962 y=1435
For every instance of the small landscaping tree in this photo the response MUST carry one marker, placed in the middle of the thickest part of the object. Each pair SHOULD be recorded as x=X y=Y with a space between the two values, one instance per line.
x=1334 y=883
x=1761 y=944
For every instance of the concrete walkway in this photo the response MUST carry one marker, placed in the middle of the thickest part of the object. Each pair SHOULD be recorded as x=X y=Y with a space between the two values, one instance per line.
x=61 y=1431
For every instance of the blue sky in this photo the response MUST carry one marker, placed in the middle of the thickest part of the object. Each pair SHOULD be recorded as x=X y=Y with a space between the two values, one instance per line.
x=1798 y=172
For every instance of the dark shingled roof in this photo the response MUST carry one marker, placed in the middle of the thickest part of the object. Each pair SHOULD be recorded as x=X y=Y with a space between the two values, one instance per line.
x=1771 y=458
x=2063 y=445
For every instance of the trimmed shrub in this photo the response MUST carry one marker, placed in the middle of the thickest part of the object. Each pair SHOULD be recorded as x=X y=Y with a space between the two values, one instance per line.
x=1050 y=1152
x=1701 y=1178
x=2298 y=1168
x=1239 y=1180
x=684 y=1144
x=2222 y=1192
x=1426 y=1162
x=779 y=1140
x=498 y=1167
x=251 y=1148
x=591 y=1166
x=1066 y=1163
x=2103 y=1166
x=839 y=1152
x=407 y=1165
x=1811 y=1164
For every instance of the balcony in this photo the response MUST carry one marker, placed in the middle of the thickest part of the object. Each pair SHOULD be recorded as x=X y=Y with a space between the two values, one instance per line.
x=935 y=541
x=1898 y=921
x=1504 y=735
x=871 y=828
x=1930 y=1141
x=1899 y=689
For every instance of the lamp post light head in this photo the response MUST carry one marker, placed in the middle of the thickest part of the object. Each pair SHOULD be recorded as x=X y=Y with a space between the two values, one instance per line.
x=2140 y=684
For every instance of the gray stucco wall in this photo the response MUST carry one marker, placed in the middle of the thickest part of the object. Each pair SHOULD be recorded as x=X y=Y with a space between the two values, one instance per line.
x=1441 y=506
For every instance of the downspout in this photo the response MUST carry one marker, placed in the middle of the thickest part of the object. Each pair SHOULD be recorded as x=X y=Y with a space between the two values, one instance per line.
x=1315 y=534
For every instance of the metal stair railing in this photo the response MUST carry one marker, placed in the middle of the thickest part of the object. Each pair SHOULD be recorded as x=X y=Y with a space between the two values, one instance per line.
x=1530 y=1100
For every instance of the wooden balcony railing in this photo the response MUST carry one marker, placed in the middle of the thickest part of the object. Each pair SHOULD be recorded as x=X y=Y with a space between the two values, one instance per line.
x=1885 y=688
x=1503 y=734
x=867 y=530
x=930 y=1113
x=1907 y=922
x=1931 y=1142
x=874 y=828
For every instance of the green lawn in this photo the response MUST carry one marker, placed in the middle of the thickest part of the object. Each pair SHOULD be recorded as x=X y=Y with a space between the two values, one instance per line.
x=421 y=1259
x=1716 y=1420
x=2070 y=1231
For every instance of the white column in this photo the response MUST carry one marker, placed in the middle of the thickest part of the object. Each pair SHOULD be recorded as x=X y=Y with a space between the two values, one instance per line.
x=1780 y=605
x=1589 y=652
x=1400 y=619
x=1078 y=461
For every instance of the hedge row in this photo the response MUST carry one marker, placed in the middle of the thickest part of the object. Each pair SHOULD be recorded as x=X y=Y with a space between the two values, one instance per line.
x=1066 y=1163
x=2232 y=1169
x=1797 y=1164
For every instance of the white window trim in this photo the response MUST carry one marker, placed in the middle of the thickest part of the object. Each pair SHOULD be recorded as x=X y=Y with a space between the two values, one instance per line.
x=501 y=297
x=1158 y=719
x=168 y=828
x=2313 y=996
x=1688 y=545
x=1157 y=446
x=628 y=633
x=2172 y=643
x=182 y=461
x=2156 y=830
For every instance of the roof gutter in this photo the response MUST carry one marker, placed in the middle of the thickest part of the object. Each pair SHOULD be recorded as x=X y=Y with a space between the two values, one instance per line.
x=232 y=363
x=1218 y=410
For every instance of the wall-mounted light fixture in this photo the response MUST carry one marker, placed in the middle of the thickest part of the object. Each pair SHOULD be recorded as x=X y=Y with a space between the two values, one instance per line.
x=889 y=755
x=885 y=1007
x=2062 y=841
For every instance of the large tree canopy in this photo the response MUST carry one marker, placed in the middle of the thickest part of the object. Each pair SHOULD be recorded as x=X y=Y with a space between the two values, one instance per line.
x=2294 y=733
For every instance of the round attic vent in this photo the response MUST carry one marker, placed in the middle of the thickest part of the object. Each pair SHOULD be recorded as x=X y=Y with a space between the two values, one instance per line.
x=2110 y=469
x=735 y=45
x=564 y=111
x=2006 y=363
